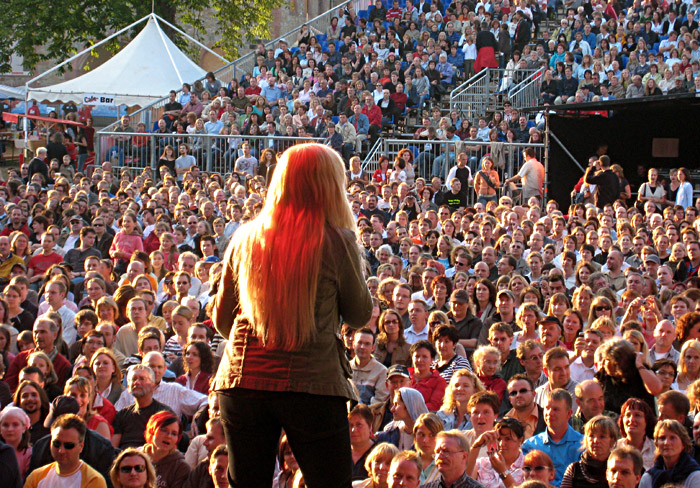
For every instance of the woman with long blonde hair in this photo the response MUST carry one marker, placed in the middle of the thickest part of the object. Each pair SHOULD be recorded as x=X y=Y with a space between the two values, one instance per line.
x=289 y=275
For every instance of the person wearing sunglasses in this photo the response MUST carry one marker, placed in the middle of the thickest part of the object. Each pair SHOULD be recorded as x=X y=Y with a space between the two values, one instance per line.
x=133 y=469
x=67 y=442
x=521 y=395
x=538 y=466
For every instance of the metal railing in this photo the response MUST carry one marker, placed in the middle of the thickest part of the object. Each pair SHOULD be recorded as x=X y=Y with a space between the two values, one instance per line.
x=219 y=152
x=486 y=91
x=213 y=152
x=471 y=98
x=527 y=93
x=436 y=158
x=238 y=68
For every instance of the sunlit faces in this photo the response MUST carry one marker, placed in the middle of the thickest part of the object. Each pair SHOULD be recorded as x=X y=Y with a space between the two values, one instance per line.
x=668 y=444
x=132 y=472
x=166 y=437
x=620 y=473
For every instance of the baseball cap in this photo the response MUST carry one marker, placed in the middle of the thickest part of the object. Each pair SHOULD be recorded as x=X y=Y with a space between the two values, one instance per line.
x=398 y=369
x=653 y=258
x=549 y=319
x=460 y=296
x=508 y=293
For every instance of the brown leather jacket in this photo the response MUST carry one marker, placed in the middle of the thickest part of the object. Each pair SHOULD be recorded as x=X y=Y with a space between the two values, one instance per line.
x=320 y=367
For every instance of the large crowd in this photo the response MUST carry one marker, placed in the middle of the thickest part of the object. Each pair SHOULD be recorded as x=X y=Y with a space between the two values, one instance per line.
x=471 y=370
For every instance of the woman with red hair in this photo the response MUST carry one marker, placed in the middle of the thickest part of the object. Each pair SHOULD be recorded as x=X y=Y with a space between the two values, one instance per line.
x=163 y=432
x=289 y=275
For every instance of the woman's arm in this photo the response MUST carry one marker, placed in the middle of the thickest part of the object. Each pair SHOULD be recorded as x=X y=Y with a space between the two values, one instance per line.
x=226 y=301
x=626 y=193
x=652 y=383
x=103 y=430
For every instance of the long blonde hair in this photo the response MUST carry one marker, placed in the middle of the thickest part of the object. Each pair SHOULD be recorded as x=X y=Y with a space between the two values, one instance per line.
x=278 y=254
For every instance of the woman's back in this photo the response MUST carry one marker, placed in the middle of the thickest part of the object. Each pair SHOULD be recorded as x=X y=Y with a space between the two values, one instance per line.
x=319 y=366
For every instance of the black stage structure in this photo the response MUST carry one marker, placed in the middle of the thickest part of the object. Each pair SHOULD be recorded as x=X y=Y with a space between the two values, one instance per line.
x=661 y=132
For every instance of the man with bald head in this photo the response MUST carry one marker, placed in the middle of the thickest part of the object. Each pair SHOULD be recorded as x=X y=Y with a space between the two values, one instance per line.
x=590 y=401
x=615 y=274
x=665 y=336
x=488 y=256
x=481 y=270
x=180 y=399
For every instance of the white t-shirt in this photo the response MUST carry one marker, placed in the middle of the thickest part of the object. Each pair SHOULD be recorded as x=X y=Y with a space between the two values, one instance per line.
x=532 y=173
x=185 y=162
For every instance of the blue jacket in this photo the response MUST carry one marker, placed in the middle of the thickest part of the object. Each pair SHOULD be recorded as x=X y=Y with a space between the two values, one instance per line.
x=362 y=126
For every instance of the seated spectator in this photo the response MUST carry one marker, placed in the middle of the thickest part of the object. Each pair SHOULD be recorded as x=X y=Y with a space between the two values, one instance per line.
x=163 y=433
x=67 y=443
x=560 y=441
x=538 y=466
x=425 y=379
x=130 y=422
x=487 y=362
x=199 y=367
x=674 y=462
x=81 y=389
x=14 y=430
x=407 y=407
x=600 y=436
x=375 y=464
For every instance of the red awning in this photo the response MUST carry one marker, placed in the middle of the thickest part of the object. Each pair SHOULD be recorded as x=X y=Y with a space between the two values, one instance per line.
x=14 y=118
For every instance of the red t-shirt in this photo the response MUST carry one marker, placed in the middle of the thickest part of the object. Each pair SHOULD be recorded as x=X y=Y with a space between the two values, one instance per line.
x=41 y=262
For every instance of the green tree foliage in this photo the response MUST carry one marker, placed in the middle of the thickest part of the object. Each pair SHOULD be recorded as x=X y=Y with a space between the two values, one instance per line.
x=55 y=31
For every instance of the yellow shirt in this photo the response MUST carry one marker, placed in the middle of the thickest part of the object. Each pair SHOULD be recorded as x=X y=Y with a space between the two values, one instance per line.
x=48 y=477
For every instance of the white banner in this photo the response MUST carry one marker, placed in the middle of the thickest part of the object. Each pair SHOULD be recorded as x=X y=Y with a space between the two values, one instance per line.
x=90 y=99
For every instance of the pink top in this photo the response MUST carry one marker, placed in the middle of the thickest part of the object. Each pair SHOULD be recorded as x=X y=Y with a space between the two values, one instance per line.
x=127 y=243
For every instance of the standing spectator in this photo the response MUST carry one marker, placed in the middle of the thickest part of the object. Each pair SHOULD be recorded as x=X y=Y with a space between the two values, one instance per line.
x=607 y=183
x=486 y=46
x=532 y=175
x=298 y=330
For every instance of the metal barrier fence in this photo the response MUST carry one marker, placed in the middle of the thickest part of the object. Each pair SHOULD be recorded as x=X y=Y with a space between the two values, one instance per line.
x=436 y=158
x=218 y=153
x=527 y=93
x=238 y=68
x=213 y=152
x=470 y=98
x=485 y=91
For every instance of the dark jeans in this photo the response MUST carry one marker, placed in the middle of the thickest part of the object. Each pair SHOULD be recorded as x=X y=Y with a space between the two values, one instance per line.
x=316 y=427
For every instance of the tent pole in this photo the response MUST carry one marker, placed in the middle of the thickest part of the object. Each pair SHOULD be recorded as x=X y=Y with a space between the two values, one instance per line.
x=25 y=122
x=85 y=51
x=546 y=157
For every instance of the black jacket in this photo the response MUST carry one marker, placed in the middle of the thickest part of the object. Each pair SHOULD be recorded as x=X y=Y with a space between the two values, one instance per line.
x=607 y=185
x=98 y=453
x=10 y=477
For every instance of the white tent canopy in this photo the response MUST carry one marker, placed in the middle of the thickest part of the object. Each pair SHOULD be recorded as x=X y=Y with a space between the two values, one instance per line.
x=12 y=92
x=141 y=73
